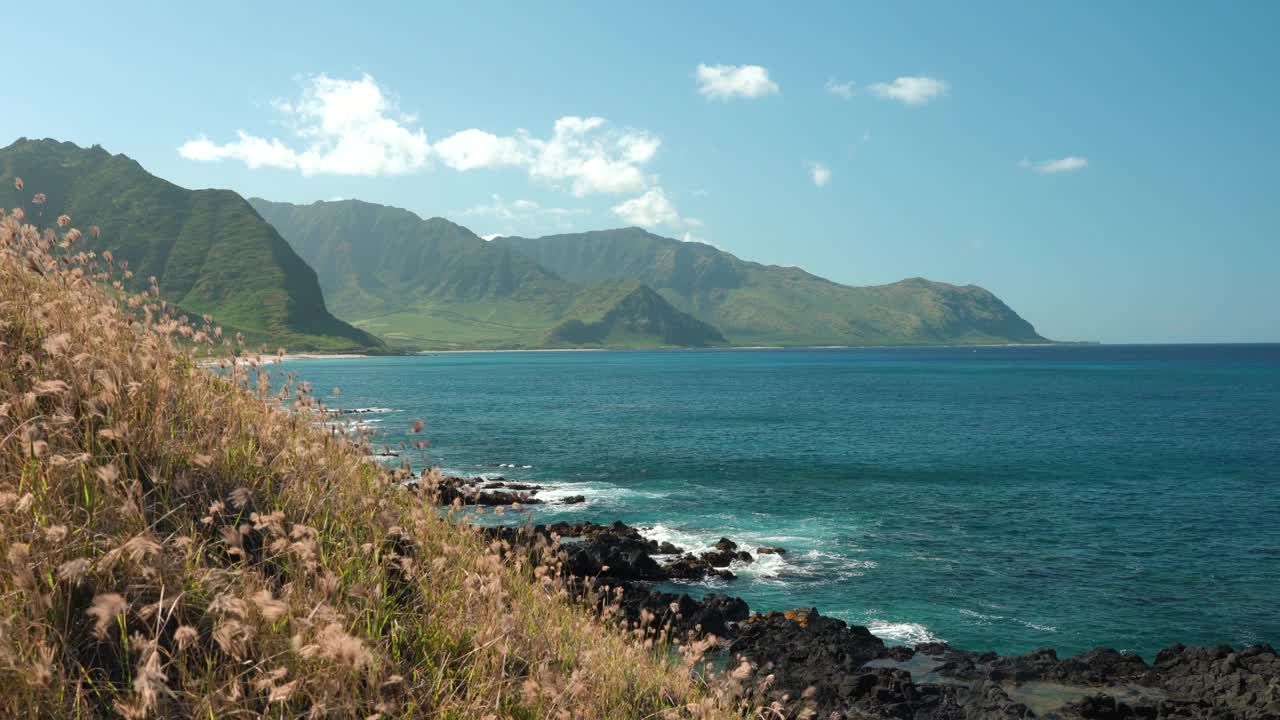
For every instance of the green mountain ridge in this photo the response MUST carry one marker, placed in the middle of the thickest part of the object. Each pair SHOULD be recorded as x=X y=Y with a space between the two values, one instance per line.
x=433 y=284
x=209 y=250
x=627 y=312
x=754 y=304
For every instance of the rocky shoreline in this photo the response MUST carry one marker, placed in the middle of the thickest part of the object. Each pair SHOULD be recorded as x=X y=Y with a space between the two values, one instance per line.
x=821 y=667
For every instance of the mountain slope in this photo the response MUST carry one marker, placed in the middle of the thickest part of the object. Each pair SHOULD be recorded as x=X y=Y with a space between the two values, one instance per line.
x=374 y=259
x=435 y=284
x=629 y=313
x=208 y=249
x=761 y=304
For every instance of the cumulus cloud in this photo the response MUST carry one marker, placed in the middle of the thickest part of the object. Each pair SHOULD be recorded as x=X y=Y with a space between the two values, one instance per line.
x=351 y=127
x=911 y=90
x=725 y=82
x=1071 y=163
x=346 y=127
x=819 y=173
x=842 y=90
x=581 y=152
x=471 y=149
x=649 y=210
x=591 y=159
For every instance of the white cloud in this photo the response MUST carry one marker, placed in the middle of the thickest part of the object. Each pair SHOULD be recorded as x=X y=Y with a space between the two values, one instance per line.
x=350 y=127
x=911 y=90
x=724 y=82
x=523 y=216
x=471 y=149
x=580 y=151
x=1071 y=163
x=649 y=210
x=843 y=90
x=592 y=161
x=347 y=127
x=819 y=173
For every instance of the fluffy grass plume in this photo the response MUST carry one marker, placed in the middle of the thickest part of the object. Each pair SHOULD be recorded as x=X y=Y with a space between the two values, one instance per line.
x=185 y=543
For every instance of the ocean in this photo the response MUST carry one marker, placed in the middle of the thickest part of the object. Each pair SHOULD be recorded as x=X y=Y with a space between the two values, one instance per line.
x=997 y=498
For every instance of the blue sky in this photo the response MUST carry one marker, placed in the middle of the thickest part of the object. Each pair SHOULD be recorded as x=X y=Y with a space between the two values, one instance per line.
x=1108 y=169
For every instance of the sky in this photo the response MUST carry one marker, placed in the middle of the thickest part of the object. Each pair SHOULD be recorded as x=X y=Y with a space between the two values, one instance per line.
x=1110 y=170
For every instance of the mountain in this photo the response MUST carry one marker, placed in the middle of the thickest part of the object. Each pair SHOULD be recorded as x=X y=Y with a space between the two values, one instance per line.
x=622 y=313
x=435 y=284
x=209 y=250
x=754 y=304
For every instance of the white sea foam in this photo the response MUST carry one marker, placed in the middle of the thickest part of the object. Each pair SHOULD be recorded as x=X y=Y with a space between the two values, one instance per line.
x=687 y=540
x=596 y=495
x=901 y=633
x=979 y=618
x=765 y=568
x=352 y=425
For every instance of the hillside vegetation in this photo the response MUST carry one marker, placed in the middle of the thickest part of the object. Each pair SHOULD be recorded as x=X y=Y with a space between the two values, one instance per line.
x=754 y=304
x=624 y=313
x=179 y=543
x=208 y=249
x=435 y=284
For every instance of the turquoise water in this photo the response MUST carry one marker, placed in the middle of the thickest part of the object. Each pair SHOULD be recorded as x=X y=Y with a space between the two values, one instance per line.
x=995 y=498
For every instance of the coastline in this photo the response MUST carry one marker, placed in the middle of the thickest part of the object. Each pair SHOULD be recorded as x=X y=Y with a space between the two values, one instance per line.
x=661 y=348
x=844 y=670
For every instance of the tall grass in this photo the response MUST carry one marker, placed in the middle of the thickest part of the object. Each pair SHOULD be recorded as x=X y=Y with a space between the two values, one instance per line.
x=183 y=543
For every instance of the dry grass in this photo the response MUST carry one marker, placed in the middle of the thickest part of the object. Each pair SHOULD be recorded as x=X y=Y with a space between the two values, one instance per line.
x=178 y=544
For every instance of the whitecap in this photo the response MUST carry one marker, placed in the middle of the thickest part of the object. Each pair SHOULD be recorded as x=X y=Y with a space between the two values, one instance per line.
x=594 y=493
x=687 y=540
x=901 y=633
x=765 y=568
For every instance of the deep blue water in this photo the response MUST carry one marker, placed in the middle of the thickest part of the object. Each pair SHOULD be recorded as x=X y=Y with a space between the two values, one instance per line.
x=995 y=498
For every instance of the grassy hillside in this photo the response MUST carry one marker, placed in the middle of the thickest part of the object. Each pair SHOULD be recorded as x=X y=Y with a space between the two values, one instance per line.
x=178 y=545
x=760 y=304
x=627 y=313
x=208 y=249
x=433 y=284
